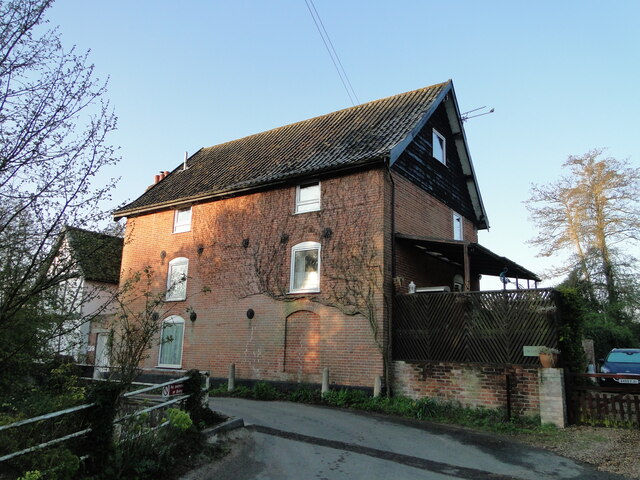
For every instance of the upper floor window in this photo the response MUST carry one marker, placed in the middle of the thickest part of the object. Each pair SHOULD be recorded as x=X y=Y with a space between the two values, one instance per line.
x=439 y=147
x=305 y=267
x=457 y=227
x=177 y=279
x=182 y=220
x=171 y=342
x=308 y=197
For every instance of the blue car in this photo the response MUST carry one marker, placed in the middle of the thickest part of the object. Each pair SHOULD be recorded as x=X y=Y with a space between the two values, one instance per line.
x=622 y=360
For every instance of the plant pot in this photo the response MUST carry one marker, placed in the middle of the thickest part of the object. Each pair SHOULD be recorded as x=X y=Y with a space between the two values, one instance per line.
x=548 y=360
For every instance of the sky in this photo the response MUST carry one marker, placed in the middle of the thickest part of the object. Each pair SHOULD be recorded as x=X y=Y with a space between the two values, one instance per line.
x=562 y=77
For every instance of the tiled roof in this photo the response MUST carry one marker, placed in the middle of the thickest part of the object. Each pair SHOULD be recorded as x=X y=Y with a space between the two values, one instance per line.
x=98 y=255
x=343 y=139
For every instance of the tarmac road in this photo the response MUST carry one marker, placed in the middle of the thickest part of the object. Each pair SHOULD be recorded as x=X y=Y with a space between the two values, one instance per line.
x=294 y=441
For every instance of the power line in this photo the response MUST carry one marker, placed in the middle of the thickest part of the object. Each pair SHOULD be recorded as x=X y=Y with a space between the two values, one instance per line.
x=335 y=59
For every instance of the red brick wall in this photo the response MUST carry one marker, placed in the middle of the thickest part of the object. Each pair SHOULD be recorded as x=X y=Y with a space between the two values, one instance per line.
x=256 y=276
x=476 y=385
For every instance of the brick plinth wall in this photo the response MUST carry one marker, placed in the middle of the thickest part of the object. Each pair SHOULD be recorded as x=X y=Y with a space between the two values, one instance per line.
x=475 y=385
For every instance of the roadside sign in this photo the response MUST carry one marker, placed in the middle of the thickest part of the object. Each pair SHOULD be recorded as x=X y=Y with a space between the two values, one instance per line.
x=173 y=389
x=531 y=350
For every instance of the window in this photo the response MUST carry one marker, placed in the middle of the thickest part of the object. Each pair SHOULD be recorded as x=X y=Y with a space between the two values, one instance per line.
x=308 y=197
x=439 y=147
x=305 y=267
x=457 y=226
x=171 y=342
x=182 y=220
x=177 y=279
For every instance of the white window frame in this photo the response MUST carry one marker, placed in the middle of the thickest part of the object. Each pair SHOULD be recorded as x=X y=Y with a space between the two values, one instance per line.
x=438 y=138
x=173 y=320
x=303 y=247
x=304 y=206
x=172 y=295
x=180 y=227
x=458 y=233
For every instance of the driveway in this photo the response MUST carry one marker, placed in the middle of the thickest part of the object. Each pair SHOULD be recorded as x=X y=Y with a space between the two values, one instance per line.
x=295 y=441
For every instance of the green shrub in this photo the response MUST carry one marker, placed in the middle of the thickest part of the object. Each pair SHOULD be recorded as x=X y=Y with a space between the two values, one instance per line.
x=265 y=391
x=51 y=464
x=571 y=329
x=31 y=475
x=179 y=419
x=305 y=395
x=344 y=398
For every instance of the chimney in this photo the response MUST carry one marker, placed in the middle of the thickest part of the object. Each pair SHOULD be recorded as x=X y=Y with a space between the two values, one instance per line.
x=184 y=165
x=156 y=179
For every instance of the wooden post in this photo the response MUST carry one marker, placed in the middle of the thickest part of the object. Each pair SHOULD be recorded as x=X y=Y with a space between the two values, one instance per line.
x=467 y=267
x=232 y=378
x=207 y=386
x=377 y=386
x=325 y=381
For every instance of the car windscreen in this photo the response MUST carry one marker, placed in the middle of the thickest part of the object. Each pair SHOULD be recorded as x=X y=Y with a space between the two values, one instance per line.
x=624 y=357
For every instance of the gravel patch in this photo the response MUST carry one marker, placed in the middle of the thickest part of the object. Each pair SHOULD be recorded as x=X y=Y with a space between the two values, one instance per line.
x=614 y=450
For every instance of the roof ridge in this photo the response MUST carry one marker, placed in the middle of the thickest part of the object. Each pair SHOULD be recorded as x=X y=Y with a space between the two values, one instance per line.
x=335 y=112
x=93 y=232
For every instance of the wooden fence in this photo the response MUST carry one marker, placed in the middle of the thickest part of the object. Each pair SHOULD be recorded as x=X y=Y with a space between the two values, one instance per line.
x=594 y=399
x=474 y=327
x=83 y=432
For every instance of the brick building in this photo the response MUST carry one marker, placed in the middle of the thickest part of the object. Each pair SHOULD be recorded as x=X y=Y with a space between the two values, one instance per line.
x=280 y=252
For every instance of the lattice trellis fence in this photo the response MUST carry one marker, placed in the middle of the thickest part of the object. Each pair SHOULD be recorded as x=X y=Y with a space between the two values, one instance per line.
x=474 y=327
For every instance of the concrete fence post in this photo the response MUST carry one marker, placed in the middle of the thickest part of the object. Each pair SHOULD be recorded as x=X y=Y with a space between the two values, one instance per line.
x=377 y=386
x=232 y=378
x=553 y=406
x=325 y=381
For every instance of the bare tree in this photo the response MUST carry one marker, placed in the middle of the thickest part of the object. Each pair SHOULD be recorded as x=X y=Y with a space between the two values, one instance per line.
x=591 y=212
x=53 y=129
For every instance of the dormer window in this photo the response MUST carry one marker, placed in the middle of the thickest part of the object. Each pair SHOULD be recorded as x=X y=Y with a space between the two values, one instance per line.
x=308 y=197
x=182 y=220
x=439 y=147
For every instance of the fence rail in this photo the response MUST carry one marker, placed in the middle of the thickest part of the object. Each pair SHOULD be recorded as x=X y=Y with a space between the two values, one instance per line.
x=83 y=432
x=474 y=327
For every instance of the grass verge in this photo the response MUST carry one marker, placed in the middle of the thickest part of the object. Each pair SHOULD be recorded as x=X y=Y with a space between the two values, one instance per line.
x=492 y=420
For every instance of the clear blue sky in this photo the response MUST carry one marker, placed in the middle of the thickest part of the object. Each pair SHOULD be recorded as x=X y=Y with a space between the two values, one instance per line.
x=563 y=77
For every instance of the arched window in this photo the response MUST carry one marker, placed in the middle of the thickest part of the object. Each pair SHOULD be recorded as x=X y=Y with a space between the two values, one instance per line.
x=177 y=279
x=171 y=342
x=305 y=267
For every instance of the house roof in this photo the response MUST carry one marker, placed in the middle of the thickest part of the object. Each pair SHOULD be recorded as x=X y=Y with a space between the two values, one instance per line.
x=98 y=255
x=349 y=138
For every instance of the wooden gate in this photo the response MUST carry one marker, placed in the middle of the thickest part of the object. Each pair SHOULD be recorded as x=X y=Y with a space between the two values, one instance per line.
x=595 y=399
